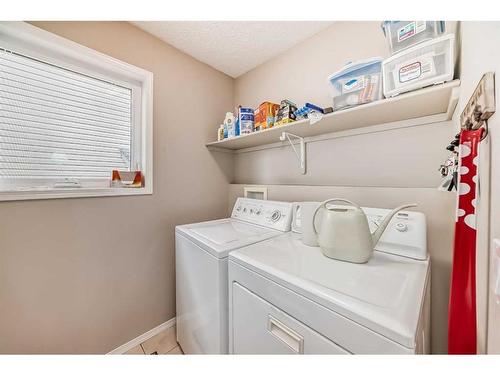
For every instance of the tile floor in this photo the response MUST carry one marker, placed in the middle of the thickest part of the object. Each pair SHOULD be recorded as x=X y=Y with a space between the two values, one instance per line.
x=163 y=343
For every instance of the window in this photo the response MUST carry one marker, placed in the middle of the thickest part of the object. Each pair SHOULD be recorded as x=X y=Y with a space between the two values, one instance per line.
x=68 y=117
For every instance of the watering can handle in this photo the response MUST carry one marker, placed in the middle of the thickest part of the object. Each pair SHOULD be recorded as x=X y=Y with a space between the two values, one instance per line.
x=324 y=205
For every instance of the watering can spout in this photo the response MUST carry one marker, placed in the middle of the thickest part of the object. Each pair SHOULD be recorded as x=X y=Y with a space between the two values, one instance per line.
x=378 y=233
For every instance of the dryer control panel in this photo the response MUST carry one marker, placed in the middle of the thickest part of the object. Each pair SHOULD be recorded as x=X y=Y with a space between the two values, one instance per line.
x=270 y=214
x=406 y=234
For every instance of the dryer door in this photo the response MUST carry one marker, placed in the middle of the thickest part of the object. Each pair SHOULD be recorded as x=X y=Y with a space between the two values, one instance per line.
x=261 y=328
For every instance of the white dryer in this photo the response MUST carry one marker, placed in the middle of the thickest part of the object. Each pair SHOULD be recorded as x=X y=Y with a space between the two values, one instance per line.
x=286 y=297
x=201 y=252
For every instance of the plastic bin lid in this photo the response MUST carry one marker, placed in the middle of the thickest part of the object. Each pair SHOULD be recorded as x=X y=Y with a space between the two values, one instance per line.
x=355 y=65
x=384 y=24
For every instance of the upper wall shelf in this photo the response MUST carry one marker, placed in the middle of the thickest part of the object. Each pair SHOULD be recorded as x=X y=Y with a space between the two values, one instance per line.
x=434 y=100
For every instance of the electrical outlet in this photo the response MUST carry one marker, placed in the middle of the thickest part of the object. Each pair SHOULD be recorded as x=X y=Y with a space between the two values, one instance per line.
x=481 y=105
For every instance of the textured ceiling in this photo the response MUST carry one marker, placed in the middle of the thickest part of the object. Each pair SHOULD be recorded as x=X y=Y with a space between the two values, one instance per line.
x=233 y=47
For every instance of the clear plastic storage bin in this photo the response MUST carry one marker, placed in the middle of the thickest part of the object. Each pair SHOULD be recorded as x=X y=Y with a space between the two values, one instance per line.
x=423 y=65
x=405 y=34
x=357 y=83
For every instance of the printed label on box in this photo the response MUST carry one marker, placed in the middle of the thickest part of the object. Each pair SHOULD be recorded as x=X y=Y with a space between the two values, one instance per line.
x=410 y=72
x=411 y=29
x=417 y=69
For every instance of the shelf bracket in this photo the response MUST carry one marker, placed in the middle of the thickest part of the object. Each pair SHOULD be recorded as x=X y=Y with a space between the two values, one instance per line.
x=301 y=155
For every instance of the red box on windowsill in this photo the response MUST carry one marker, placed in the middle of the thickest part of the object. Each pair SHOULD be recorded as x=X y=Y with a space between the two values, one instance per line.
x=124 y=179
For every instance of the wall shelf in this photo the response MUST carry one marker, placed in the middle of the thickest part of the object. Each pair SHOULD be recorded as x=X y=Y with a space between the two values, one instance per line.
x=435 y=100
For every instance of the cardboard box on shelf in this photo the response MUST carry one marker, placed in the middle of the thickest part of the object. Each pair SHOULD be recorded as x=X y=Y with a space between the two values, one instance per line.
x=286 y=113
x=264 y=115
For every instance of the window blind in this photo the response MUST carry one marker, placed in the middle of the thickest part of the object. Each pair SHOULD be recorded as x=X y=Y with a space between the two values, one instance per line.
x=59 y=124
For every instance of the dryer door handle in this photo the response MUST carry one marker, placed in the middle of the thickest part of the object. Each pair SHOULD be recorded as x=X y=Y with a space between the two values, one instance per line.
x=285 y=334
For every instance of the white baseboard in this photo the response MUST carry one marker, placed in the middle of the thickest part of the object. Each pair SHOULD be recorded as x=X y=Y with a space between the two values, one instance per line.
x=140 y=339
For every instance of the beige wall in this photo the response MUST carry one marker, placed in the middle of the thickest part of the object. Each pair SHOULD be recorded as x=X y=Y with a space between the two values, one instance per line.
x=87 y=275
x=405 y=157
x=378 y=169
x=300 y=74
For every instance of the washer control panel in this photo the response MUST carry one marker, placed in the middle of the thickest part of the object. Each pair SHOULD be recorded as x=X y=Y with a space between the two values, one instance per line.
x=406 y=234
x=271 y=214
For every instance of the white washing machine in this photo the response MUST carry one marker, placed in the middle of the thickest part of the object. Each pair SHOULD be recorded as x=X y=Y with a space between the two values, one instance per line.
x=286 y=297
x=201 y=252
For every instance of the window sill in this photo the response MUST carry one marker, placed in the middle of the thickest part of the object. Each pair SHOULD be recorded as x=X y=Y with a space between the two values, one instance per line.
x=15 y=195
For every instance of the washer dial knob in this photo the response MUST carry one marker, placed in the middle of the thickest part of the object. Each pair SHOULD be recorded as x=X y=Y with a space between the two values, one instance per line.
x=275 y=216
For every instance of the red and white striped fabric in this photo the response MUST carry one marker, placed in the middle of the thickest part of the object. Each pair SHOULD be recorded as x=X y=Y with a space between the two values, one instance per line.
x=462 y=311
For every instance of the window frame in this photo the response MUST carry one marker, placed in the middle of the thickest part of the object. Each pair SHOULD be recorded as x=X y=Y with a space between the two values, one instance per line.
x=27 y=39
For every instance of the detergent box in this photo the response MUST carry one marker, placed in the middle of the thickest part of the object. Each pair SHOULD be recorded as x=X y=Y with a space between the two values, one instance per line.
x=264 y=115
x=286 y=113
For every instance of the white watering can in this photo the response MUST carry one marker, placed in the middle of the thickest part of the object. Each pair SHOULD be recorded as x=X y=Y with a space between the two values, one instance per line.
x=344 y=232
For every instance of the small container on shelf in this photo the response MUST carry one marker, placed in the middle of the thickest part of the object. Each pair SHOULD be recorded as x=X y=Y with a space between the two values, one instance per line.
x=230 y=125
x=245 y=120
x=220 y=133
x=404 y=34
x=308 y=108
x=357 y=83
x=425 y=64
